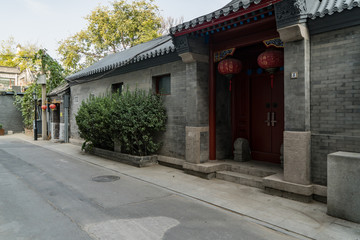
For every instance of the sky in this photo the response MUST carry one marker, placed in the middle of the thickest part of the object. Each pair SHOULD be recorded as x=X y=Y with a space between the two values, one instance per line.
x=46 y=22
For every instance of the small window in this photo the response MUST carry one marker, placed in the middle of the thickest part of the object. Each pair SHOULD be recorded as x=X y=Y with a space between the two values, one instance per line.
x=117 y=87
x=163 y=85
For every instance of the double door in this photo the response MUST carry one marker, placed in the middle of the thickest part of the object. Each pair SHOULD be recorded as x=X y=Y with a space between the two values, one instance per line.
x=267 y=117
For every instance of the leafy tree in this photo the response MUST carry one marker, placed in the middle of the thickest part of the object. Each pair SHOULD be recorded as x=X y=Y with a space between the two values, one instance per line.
x=55 y=76
x=110 y=30
x=12 y=54
x=169 y=22
x=52 y=68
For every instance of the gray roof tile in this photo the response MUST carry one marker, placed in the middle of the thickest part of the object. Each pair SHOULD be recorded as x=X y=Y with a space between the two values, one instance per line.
x=156 y=47
x=328 y=7
x=233 y=6
x=59 y=89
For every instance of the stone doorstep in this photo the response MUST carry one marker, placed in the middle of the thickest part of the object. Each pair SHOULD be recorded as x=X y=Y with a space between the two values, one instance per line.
x=253 y=171
x=240 y=178
x=277 y=182
x=171 y=162
x=272 y=180
x=208 y=167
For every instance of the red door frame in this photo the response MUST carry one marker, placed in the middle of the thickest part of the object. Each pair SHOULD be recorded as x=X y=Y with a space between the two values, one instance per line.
x=234 y=38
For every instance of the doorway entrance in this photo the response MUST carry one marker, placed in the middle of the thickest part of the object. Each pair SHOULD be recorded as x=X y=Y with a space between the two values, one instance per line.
x=267 y=117
x=257 y=107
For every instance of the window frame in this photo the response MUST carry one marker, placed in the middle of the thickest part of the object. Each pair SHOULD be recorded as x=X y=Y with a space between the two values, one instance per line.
x=157 y=80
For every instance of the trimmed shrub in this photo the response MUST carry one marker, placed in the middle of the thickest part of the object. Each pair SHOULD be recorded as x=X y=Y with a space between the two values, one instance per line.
x=94 y=122
x=132 y=119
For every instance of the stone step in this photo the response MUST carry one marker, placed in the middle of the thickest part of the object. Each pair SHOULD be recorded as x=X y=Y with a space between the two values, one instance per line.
x=244 y=179
x=253 y=171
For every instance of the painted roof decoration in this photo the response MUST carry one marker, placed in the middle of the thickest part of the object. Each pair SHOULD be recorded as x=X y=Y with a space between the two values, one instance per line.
x=233 y=6
x=156 y=47
x=328 y=7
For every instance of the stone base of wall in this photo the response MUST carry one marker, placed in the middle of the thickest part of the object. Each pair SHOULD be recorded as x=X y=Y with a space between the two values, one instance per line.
x=171 y=162
x=29 y=132
x=297 y=157
x=136 y=161
x=197 y=144
x=276 y=185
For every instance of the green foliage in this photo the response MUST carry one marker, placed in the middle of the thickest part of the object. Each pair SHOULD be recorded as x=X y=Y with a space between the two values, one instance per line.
x=133 y=119
x=13 y=54
x=1 y=126
x=26 y=104
x=110 y=30
x=94 y=122
x=54 y=72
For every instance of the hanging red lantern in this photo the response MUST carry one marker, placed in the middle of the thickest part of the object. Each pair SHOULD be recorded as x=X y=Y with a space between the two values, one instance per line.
x=43 y=107
x=270 y=60
x=52 y=106
x=229 y=67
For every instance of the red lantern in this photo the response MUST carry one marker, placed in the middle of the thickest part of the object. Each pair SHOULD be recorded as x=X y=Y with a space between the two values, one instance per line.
x=270 y=60
x=52 y=106
x=229 y=67
x=43 y=107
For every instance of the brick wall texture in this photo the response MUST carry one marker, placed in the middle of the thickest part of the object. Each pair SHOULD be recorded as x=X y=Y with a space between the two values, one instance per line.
x=176 y=104
x=10 y=117
x=335 y=96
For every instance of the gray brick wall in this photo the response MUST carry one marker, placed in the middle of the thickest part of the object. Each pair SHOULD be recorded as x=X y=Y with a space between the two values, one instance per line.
x=294 y=89
x=174 y=137
x=335 y=96
x=10 y=117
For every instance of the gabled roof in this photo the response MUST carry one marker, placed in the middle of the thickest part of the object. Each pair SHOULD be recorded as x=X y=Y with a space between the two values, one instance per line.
x=59 y=90
x=10 y=70
x=156 y=47
x=328 y=7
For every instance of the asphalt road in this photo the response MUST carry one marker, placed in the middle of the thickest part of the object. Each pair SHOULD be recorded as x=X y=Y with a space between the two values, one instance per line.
x=50 y=196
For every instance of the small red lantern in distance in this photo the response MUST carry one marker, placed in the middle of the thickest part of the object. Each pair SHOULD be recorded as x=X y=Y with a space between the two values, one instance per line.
x=229 y=67
x=270 y=60
x=43 y=107
x=52 y=106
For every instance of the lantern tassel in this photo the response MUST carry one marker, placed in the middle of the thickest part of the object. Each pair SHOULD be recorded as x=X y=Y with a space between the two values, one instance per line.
x=272 y=80
x=230 y=85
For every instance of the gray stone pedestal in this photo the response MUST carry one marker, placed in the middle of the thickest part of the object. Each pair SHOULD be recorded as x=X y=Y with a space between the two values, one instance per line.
x=297 y=157
x=343 y=192
x=242 y=150
x=197 y=142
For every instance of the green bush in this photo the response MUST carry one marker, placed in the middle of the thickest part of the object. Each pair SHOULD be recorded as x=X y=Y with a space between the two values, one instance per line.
x=133 y=119
x=94 y=122
x=0 y=126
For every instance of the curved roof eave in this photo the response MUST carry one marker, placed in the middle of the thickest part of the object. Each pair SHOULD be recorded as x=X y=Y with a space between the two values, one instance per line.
x=233 y=6
x=151 y=49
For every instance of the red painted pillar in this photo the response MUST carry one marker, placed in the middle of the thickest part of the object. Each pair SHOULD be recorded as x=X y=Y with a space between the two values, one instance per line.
x=212 y=108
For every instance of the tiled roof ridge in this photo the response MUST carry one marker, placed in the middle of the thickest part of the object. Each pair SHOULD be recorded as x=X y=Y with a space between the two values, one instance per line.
x=143 y=54
x=233 y=6
x=328 y=7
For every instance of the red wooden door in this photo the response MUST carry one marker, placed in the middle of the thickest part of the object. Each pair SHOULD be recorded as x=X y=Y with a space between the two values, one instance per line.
x=266 y=117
